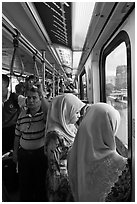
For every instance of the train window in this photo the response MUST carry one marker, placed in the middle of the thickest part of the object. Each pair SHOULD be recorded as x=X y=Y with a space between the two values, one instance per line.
x=84 y=80
x=115 y=78
x=116 y=86
x=83 y=86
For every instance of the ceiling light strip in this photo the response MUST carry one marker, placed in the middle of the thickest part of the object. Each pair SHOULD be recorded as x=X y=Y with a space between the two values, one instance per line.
x=60 y=29
x=63 y=39
x=58 y=7
x=63 y=42
x=33 y=11
x=62 y=6
x=59 y=19
x=59 y=25
x=54 y=10
x=66 y=4
x=60 y=38
x=59 y=34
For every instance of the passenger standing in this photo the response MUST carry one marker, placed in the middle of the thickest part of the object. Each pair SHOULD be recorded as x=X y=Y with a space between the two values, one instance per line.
x=60 y=133
x=30 y=81
x=33 y=81
x=97 y=173
x=10 y=113
x=20 y=90
x=29 y=147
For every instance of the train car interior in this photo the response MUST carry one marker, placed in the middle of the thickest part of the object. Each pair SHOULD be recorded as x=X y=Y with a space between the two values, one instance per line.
x=71 y=47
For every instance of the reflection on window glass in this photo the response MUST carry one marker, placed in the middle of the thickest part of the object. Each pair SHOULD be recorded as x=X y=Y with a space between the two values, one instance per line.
x=116 y=87
x=84 y=86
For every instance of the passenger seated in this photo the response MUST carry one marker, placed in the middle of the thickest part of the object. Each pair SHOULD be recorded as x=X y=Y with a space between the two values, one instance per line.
x=97 y=173
x=60 y=133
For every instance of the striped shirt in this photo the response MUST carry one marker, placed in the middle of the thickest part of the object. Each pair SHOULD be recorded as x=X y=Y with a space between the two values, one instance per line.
x=31 y=129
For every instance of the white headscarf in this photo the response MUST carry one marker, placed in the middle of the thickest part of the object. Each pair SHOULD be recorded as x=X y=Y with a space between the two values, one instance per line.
x=93 y=163
x=61 y=111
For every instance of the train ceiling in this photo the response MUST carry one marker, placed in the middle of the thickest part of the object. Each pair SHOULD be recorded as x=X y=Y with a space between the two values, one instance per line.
x=51 y=26
x=59 y=25
x=65 y=31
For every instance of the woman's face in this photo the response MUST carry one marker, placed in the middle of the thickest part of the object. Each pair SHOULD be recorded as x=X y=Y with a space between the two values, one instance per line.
x=75 y=117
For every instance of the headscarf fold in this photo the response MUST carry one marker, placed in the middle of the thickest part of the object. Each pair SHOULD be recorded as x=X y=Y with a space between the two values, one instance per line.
x=60 y=113
x=93 y=163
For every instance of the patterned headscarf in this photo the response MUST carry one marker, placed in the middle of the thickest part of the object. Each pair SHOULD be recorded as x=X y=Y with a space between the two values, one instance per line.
x=61 y=111
x=93 y=163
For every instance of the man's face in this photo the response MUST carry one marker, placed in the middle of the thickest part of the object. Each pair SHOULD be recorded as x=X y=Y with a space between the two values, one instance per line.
x=30 y=83
x=33 y=100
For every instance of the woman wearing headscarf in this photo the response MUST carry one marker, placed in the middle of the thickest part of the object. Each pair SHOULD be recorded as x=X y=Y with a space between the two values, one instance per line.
x=97 y=173
x=64 y=111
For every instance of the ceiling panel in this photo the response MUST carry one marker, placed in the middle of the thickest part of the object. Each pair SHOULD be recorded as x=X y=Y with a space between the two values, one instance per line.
x=23 y=21
x=59 y=25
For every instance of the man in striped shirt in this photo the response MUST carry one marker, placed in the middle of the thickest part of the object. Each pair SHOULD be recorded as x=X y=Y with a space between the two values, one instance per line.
x=29 y=147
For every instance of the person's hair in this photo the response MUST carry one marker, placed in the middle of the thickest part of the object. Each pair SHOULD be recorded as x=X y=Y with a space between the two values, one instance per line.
x=32 y=76
x=33 y=89
x=6 y=79
x=20 y=88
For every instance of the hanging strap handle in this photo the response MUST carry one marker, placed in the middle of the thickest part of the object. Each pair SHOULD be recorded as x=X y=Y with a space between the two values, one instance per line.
x=36 y=72
x=16 y=52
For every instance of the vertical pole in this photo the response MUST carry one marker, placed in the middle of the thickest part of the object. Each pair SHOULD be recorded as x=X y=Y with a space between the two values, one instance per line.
x=53 y=81
x=58 y=84
x=63 y=85
x=43 y=69
x=81 y=88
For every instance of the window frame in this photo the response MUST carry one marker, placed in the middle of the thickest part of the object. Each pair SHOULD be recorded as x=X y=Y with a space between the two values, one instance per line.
x=82 y=85
x=122 y=36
